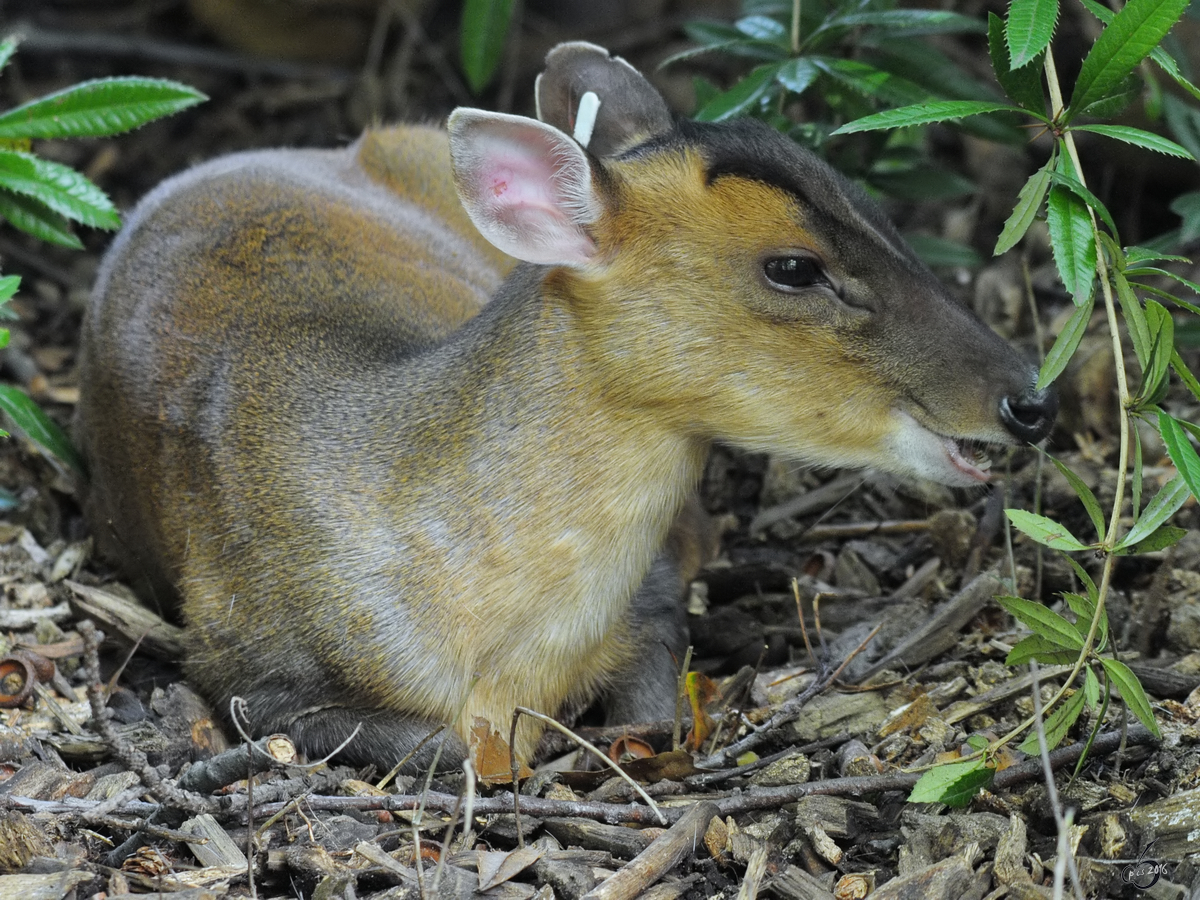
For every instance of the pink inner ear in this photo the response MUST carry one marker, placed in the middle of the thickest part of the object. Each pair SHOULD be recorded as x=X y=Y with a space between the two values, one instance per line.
x=528 y=189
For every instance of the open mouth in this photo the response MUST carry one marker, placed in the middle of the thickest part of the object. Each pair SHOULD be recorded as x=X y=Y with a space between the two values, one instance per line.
x=969 y=458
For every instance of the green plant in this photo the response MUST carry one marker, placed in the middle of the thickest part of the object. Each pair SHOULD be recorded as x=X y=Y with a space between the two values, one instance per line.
x=822 y=63
x=43 y=198
x=483 y=30
x=1087 y=252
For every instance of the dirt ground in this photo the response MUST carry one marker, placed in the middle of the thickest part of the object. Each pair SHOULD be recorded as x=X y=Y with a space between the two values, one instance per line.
x=818 y=809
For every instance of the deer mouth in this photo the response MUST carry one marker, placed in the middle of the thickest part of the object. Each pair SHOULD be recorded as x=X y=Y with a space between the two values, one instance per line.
x=968 y=457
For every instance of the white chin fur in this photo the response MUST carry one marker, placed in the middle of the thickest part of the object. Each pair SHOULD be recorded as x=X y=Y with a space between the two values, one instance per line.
x=918 y=451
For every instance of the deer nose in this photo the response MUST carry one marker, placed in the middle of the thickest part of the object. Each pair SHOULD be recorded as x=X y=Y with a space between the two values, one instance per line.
x=1029 y=416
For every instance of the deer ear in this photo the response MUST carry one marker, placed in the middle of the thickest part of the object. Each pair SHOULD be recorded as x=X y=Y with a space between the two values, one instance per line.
x=630 y=111
x=527 y=186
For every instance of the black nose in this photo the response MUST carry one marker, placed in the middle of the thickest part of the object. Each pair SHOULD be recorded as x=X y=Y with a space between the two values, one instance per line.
x=1029 y=416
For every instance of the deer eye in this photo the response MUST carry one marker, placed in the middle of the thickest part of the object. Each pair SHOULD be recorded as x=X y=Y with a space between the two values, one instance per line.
x=792 y=273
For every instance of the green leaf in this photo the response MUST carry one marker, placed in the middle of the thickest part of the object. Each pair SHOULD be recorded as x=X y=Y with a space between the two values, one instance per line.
x=1042 y=620
x=1135 y=318
x=1030 y=27
x=741 y=96
x=1065 y=344
x=1185 y=374
x=1023 y=85
x=1131 y=692
x=7 y=48
x=1085 y=495
x=1139 y=473
x=38 y=427
x=1091 y=688
x=763 y=28
x=1162 y=345
x=798 y=75
x=1084 y=609
x=1160 y=539
x=1044 y=651
x=953 y=783
x=1115 y=102
x=98 y=108
x=870 y=81
x=9 y=283
x=1132 y=34
x=35 y=218
x=1045 y=531
x=925 y=114
x=1165 y=504
x=1064 y=177
x=1181 y=452
x=910 y=22
x=1029 y=201
x=485 y=25
x=58 y=187
x=1085 y=579
x=1187 y=207
x=1057 y=724
x=1072 y=242
x=1139 y=138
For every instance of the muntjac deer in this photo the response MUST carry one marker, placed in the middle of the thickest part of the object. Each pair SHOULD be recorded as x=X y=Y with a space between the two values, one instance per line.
x=404 y=426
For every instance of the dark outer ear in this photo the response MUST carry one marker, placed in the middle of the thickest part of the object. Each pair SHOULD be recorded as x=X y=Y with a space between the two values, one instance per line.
x=631 y=110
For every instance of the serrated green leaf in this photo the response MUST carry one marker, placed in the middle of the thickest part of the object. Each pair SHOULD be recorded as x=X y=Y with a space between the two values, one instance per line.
x=1181 y=452
x=1035 y=646
x=1158 y=54
x=1125 y=42
x=1023 y=85
x=798 y=75
x=98 y=108
x=1091 y=689
x=1085 y=579
x=58 y=187
x=1029 y=29
x=910 y=22
x=1135 y=318
x=482 y=36
x=953 y=783
x=8 y=286
x=1029 y=201
x=743 y=95
x=1072 y=242
x=1064 y=177
x=977 y=742
x=1185 y=374
x=1085 y=495
x=1165 y=504
x=36 y=218
x=1042 y=620
x=1131 y=692
x=1084 y=609
x=871 y=82
x=1065 y=344
x=1115 y=102
x=38 y=427
x=1138 y=137
x=925 y=114
x=1057 y=724
x=1160 y=539
x=1162 y=345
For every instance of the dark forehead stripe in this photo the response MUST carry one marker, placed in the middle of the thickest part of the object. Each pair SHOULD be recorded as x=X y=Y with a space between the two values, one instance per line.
x=747 y=148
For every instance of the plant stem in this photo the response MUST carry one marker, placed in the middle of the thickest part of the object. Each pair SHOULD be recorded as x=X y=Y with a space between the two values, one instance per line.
x=795 y=27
